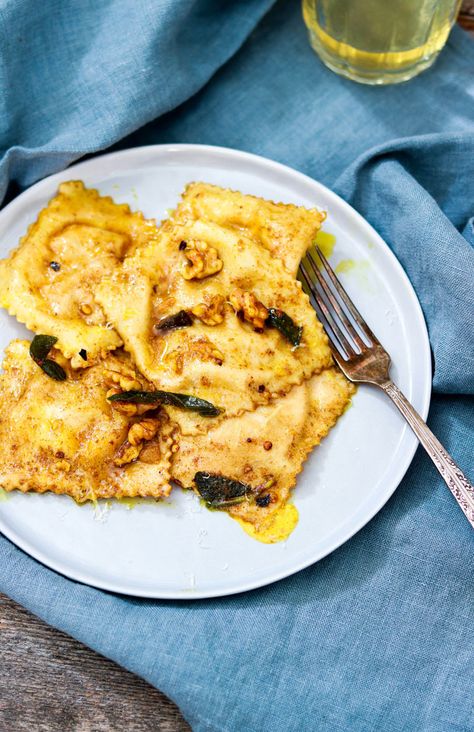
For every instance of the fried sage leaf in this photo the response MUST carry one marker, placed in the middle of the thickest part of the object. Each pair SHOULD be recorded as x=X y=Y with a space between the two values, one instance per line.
x=183 y=401
x=182 y=319
x=219 y=491
x=53 y=369
x=40 y=346
x=287 y=327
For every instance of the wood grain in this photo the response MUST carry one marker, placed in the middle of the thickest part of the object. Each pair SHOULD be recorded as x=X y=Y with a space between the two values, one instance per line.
x=51 y=683
x=466 y=16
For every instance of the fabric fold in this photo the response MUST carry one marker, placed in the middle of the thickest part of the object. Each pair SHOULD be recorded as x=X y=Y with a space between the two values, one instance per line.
x=76 y=78
x=418 y=194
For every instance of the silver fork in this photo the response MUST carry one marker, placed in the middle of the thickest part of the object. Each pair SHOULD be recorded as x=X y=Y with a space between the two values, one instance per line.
x=363 y=359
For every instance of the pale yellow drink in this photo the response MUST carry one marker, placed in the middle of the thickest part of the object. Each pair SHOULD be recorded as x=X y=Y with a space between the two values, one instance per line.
x=379 y=41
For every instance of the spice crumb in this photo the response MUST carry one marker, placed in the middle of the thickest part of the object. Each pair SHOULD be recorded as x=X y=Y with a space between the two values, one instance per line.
x=55 y=266
x=267 y=445
x=249 y=439
x=182 y=246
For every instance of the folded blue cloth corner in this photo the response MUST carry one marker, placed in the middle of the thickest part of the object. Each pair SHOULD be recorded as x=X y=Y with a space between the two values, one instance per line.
x=377 y=636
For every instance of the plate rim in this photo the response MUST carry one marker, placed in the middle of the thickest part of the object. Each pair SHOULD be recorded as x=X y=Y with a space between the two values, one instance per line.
x=382 y=498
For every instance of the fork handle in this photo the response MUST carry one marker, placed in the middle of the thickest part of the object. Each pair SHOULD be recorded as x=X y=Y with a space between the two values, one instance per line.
x=458 y=484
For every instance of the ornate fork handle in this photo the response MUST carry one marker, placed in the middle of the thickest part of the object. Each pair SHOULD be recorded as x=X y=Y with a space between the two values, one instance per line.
x=458 y=484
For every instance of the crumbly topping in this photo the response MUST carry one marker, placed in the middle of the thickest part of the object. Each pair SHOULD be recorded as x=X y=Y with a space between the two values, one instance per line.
x=200 y=348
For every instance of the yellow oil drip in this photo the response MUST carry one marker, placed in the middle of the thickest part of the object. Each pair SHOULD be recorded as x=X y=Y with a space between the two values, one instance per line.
x=359 y=270
x=279 y=528
x=345 y=265
x=326 y=242
x=129 y=503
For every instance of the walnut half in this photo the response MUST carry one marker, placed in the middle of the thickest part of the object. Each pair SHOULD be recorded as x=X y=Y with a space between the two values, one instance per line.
x=138 y=433
x=210 y=312
x=144 y=430
x=121 y=378
x=253 y=310
x=203 y=260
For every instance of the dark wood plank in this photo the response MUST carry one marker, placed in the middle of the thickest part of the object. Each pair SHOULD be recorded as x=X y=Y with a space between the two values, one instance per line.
x=51 y=683
x=466 y=16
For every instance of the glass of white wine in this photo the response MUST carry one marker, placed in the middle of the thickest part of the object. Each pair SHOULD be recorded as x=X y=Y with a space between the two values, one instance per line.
x=379 y=41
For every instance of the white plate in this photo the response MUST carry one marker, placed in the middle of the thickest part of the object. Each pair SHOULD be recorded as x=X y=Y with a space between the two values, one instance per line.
x=178 y=549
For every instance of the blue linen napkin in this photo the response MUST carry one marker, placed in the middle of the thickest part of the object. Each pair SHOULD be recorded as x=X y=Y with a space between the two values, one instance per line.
x=377 y=636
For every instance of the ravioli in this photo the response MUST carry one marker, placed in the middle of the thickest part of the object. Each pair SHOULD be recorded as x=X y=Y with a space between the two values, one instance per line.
x=206 y=306
x=227 y=356
x=266 y=448
x=48 y=281
x=65 y=437
x=286 y=230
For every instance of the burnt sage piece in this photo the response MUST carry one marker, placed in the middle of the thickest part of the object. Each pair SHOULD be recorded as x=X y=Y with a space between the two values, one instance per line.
x=178 y=320
x=182 y=401
x=40 y=347
x=219 y=491
x=286 y=325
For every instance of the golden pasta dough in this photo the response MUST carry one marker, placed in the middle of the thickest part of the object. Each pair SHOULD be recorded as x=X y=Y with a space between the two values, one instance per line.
x=66 y=437
x=48 y=282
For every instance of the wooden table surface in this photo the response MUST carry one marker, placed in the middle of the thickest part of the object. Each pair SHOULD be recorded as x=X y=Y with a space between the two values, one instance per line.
x=51 y=683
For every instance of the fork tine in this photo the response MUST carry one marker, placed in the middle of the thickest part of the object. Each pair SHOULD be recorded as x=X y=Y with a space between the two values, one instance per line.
x=337 y=338
x=305 y=283
x=309 y=289
x=339 y=359
x=335 y=343
x=334 y=303
x=346 y=299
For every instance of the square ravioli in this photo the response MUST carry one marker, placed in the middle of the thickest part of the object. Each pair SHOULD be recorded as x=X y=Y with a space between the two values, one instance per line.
x=66 y=437
x=48 y=281
x=193 y=311
x=265 y=449
x=286 y=230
